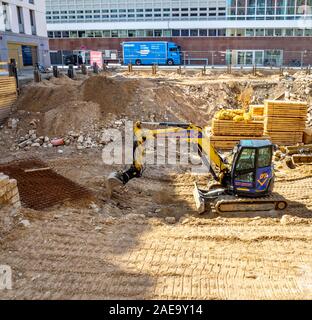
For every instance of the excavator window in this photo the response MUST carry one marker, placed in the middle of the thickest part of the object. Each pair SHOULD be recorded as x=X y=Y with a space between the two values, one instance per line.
x=246 y=160
x=264 y=157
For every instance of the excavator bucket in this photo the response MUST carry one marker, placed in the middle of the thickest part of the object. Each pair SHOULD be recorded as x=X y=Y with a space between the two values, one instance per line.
x=199 y=200
x=113 y=181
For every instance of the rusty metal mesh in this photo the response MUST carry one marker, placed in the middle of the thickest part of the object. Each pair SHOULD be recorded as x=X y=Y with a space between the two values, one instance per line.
x=42 y=189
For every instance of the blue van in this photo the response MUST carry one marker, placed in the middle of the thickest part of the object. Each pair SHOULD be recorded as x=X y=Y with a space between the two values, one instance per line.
x=151 y=52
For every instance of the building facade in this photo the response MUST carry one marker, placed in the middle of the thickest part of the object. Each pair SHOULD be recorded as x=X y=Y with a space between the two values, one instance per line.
x=242 y=32
x=23 y=32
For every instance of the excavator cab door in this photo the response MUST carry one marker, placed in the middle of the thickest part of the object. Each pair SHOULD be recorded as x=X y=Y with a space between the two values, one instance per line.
x=252 y=171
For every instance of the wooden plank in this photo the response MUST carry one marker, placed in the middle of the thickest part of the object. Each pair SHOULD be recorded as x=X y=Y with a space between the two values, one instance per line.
x=232 y=138
x=285 y=138
x=284 y=124
x=228 y=142
x=297 y=149
x=302 y=158
x=307 y=136
x=233 y=128
x=287 y=109
x=257 y=110
x=37 y=169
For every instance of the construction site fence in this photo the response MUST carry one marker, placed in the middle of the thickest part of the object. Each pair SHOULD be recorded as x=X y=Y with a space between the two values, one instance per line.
x=237 y=58
x=26 y=60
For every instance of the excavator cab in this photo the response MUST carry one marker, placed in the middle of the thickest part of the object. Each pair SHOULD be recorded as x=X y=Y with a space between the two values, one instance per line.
x=252 y=169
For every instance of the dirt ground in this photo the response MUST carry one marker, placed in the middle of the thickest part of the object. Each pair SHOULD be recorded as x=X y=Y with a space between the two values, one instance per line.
x=124 y=248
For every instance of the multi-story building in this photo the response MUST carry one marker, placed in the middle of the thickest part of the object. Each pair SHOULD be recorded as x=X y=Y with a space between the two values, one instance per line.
x=267 y=32
x=23 y=32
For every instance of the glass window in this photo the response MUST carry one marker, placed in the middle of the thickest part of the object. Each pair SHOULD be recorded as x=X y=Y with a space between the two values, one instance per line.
x=157 y=33
x=140 y=33
x=222 y=32
x=246 y=160
x=89 y=34
x=194 y=32
x=264 y=157
x=98 y=34
x=73 y=34
x=245 y=177
x=202 y=32
x=185 y=33
x=249 y=32
x=289 y=32
x=122 y=33
x=240 y=32
x=212 y=32
x=81 y=34
x=114 y=33
x=167 y=33
x=299 y=32
x=131 y=33
x=269 y=32
x=308 y=32
x=65 y=34
x=106 y=33
x=259 y=32
x=176 y=33
x=149 y=33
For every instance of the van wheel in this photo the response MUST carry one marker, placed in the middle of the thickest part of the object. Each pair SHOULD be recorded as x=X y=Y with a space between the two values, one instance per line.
x=170 y=62
x=138 y=62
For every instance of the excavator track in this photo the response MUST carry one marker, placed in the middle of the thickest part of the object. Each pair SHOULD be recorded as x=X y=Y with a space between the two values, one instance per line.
x=233 y=204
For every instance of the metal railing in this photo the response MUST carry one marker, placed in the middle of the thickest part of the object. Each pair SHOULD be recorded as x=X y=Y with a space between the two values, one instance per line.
x=267 y=58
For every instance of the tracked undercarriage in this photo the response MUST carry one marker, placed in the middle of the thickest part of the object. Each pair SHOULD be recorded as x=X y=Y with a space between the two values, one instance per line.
x=225 y=203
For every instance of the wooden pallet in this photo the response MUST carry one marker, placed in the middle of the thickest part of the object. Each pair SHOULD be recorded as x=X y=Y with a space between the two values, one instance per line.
x=285 y=109
x=284 y=138
x=307 y=135
x=257 y=110
x=7 y=96
x=233 y=128
x=301 y=158
x=284 y=124
x=299 y=149
x=228 y=142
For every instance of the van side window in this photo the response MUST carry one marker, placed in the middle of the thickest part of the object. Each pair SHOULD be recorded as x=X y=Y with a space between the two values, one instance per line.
x=173 y=49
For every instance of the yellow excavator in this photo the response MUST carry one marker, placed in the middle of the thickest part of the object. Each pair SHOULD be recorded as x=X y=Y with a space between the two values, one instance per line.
x=244 y=184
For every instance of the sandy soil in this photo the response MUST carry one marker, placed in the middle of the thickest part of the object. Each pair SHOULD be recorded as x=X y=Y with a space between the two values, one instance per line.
x=124 y=247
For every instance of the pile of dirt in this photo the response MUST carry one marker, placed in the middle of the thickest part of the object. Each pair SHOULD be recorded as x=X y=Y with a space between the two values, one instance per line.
x=110 y=94
x=48 y=94
x=78 y=116
x=60 y=105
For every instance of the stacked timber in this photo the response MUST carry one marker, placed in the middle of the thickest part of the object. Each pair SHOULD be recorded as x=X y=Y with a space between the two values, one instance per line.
x=227 y=133
x=284 y=121
x=256 y=112
x=7 y=96
x=228 y=142
x=237 y=128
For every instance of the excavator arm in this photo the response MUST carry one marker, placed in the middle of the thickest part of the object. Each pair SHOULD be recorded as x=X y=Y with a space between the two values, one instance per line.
x=184 y=131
